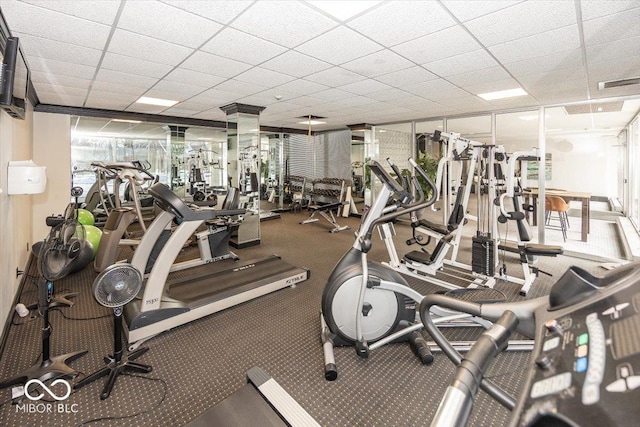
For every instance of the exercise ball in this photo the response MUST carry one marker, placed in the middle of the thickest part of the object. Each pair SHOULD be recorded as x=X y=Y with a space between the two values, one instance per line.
x=83 y=258
x=85 y=217
x=92 y=234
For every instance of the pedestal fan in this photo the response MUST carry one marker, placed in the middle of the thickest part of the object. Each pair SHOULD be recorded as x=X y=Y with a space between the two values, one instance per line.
x=114 y=287
x=55 y=259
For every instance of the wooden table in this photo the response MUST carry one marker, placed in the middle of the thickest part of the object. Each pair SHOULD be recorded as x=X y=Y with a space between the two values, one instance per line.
x=585 y=198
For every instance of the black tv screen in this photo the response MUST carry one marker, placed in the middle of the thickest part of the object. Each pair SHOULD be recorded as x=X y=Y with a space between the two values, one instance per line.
x=14 y=79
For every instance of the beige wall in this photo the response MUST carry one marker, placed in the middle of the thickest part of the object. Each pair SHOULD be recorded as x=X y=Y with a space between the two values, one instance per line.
x=15 y=210
x=52 y=149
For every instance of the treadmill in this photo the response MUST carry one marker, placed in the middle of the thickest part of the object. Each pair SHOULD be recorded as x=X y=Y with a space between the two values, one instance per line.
x=163 y=304
x=260 y=402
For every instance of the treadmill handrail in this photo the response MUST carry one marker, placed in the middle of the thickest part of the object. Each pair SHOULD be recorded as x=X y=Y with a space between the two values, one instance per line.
x=168 y=201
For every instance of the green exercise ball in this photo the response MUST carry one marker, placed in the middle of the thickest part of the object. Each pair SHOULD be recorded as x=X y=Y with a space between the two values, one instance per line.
x=85 y=217
x=92 y=234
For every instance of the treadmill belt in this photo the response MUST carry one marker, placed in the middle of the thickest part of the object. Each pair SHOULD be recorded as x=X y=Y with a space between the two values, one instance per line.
x=241 y=276
x=245 y=407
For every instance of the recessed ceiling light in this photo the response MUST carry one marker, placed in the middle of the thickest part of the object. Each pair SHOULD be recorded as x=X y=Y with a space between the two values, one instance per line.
x=156 y=101
x=312 y=122
x=509 y=93
x=125 y=121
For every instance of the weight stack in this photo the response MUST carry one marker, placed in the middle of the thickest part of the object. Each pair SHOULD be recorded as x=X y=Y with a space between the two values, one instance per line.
x=483 y=260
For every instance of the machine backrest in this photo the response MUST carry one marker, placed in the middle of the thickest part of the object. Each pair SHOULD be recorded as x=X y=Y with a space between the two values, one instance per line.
x=524 y=232
x=232 y=199
x=457 y=213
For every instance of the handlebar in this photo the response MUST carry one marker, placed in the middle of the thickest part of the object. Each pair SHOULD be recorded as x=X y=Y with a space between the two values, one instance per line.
x=394 y=186
x=456 y=405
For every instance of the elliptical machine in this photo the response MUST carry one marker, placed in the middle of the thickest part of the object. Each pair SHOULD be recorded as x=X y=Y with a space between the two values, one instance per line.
x=365 y=301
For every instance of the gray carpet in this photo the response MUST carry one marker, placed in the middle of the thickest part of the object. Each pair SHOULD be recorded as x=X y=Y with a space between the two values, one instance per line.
x=197 y=365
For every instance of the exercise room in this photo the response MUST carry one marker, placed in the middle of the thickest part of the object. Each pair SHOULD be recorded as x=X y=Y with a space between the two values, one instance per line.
x=319 y=213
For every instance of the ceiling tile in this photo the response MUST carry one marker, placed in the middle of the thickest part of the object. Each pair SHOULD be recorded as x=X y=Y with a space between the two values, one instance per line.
x=264 y=77
x=334 y=76
x=114 y=61
x=364 y=87
x=494 y=86
x=60 y=68
x=119 y=88
x=106 y=103
x=599 y=30
x=519 y=102
x=343 y=10
x=168 y=23
x=614 y=50
x=295 y=64
x=130 y=79
x=174 y=90
x=538 y=45
x=234 y=44
x=195 y=78
x=51 y=25
x=621 y=68
x=339 y=45
x=146 y=108
x=216 y=65
x=147 y=48
x=240 y=88
x=60 y=99
x=399 y=21
x=219 y=11
x=214 y=98
x=212 y=114
x=60 y=89
x=331 y=95
x=407 y=76
x=485 y=75
x=424 y=89
x=557 y=75
x=378 y=63
x=467 y=62
x=522 y=20
x=567 y=59
x=180 y=112
x=302 y=87
x=389 y=95
x=467 y=10
x=44 y=78
x=103 y=11
x=51 y=49
x=447 y=94
x=434 y=47
x=264 y=20
x=596 y=8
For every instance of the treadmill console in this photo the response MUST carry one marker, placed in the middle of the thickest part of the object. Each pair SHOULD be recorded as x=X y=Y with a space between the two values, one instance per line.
x=585 y=369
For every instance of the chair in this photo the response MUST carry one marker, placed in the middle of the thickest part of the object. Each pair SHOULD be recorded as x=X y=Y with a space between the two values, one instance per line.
x=557 y=204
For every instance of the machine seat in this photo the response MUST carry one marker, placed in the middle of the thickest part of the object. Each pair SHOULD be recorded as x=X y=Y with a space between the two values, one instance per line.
x=325 y=207
x=532 y=249
x=418 y=256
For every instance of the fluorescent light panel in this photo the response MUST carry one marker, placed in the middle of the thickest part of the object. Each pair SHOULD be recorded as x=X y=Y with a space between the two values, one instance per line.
x=501 y=94
x=312 y=122
x=156 y=101
x=125 y=121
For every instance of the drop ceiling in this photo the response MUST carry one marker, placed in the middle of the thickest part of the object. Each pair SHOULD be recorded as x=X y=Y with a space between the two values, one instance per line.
x=351 y=62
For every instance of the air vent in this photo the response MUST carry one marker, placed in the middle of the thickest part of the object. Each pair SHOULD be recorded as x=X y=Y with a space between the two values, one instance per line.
x=311 y=117
x=603 y=107
x=618 y=83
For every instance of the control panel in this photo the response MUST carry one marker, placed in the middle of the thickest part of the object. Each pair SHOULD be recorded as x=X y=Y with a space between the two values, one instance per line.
x=585 y=370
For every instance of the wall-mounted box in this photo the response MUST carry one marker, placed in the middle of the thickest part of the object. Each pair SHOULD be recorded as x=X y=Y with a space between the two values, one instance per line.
x=25 y=177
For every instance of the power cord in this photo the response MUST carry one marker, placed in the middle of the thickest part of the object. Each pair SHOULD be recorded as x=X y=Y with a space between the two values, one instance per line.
x=162 y=399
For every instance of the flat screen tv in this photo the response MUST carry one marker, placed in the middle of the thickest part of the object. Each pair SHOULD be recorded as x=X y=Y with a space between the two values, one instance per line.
x=14 y=79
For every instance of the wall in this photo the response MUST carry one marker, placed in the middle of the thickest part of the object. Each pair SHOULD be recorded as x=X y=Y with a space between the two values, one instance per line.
x=15 y=210
x=52 y=149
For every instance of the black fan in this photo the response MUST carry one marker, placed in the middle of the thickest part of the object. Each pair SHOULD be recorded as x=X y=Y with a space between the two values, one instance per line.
x=114 y=287
x=55 y=258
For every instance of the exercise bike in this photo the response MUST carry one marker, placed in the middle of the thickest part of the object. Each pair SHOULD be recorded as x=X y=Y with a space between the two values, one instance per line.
x=365 y=302
x=586 y=369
